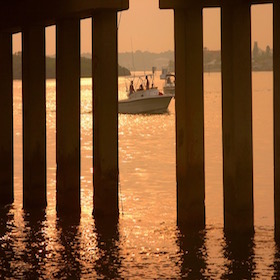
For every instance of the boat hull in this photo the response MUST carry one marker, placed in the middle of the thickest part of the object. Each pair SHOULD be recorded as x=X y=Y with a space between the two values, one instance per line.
x=150 y=105
x=169 y=90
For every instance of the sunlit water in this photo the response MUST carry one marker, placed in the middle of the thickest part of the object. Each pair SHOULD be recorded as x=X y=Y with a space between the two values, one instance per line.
x=145 y=243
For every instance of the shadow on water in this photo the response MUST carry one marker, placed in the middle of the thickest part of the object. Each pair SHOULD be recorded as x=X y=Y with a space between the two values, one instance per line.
x=6 y=247
x=193 y=254
x=108 y=264
x=35 y=244
x=239 y=253
x=69 y=238
x=276 y=264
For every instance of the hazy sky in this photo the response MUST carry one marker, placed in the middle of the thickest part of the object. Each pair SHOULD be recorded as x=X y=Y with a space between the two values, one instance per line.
x=145 y=27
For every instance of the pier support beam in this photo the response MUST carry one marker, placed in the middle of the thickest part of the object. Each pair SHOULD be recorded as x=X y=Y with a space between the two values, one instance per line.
x=34 y=117
x=237 y=116
x=189 y=118
x=276 y=104
x=68 y=116
x=6 y=120
x=105 y=96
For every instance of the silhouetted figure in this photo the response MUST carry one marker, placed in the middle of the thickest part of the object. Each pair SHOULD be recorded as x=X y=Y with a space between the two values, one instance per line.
x=147 y=83
x=131 y=88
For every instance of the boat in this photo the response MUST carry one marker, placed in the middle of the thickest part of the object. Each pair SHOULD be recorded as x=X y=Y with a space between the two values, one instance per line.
x=145 y=99
x=169 y=86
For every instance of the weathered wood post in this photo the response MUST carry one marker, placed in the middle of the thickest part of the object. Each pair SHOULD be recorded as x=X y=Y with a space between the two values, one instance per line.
x=105 y=96
x=34 y=117
x=6 y=120
x=237 y=116
x=68 y=116
x=22 y=17
x=189 y=107
x=276 y=104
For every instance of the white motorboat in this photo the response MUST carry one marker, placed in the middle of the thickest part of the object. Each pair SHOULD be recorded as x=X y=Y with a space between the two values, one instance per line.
x=169 y=86
x=145 y=99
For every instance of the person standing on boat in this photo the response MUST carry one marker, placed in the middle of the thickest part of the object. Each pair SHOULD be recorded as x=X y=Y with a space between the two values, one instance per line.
x=131 y=88
x=147 y=83
x=141 y=87
x=168 y=81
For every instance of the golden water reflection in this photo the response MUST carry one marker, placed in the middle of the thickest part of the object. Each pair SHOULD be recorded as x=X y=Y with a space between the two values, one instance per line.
x=144 y=243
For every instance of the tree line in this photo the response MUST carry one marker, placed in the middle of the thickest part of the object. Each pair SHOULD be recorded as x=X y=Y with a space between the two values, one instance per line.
x=144 y=61
x=261 y=59
x=86 y=67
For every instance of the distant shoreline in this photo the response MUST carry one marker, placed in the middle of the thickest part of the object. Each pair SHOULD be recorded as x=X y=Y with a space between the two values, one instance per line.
x=144 y=61
x=86 y=67
x=205 y=72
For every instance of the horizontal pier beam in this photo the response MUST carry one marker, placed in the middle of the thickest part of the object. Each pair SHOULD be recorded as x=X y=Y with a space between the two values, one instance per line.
x=184 y=4
x=14 y=14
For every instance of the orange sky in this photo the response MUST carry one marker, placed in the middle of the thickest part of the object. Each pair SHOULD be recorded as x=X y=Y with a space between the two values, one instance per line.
x=145 y=27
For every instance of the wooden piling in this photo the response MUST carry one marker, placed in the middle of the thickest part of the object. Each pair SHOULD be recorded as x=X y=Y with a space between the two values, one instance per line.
x=68 y=116
x=34 y=117
x=237 y=116
x=105 y=96
x=189 y=118
x=6 y=119
x=276 y=107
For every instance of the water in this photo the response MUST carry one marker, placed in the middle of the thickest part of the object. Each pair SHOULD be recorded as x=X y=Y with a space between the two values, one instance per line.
x=145 y=243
